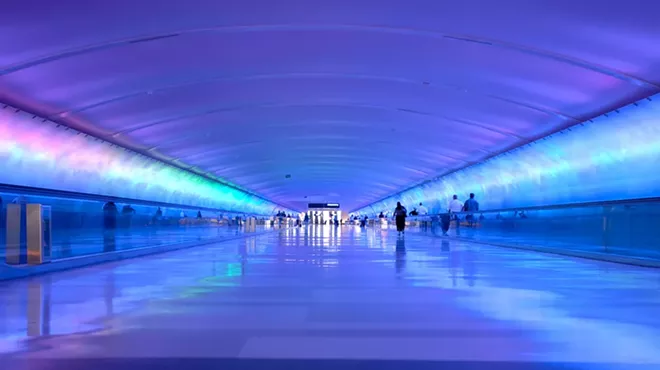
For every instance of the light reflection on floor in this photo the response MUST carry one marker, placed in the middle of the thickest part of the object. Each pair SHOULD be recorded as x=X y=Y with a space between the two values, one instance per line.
x=340 y=293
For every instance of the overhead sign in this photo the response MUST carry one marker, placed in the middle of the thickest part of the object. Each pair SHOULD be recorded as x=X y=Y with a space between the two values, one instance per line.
x=323 y=205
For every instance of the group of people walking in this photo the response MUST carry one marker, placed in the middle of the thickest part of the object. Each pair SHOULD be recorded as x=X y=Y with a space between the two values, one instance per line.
x=454 y=209
x=469 y=207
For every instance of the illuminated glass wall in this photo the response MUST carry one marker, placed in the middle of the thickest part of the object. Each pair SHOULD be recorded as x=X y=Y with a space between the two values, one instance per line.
x=616 y=156
x=40 y=154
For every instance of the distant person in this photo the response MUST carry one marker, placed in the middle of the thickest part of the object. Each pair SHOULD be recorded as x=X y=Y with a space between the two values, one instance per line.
x=422 y=211
x=199 y=215
x=110 y=213
x=400 y=218
x=306 y=219
x=455 y=207
x=157 y=217
x=381 y=215
x=127 y=213
x=471 y=206
x=128 y=210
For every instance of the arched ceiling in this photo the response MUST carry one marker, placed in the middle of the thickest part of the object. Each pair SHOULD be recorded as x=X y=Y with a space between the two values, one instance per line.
x=354 y=99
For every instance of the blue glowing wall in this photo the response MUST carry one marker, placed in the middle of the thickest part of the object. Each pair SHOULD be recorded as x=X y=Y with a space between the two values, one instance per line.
x=39 y=154
x=617 y=156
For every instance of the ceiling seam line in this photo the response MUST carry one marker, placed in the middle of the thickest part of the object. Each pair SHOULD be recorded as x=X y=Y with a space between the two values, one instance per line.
x=437 y=86
x=301 y=27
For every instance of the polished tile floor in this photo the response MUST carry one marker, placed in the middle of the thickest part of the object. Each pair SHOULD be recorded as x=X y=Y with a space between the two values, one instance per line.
x=324 y=297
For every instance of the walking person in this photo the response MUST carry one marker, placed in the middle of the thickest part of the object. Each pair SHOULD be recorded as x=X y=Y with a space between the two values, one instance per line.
x=455 y=207
x=471 y=206
x=424 y=219
x=400 y=214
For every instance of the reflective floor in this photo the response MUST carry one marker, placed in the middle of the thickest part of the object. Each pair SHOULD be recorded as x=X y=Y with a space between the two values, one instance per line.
x=544 y=240
x=344 y=298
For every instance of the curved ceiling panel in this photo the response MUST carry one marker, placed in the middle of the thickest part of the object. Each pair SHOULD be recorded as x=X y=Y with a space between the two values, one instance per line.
x=354 y=100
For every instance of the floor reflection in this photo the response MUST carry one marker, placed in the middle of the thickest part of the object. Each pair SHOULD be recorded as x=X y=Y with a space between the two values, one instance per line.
x=320 y=290
x=400 y=255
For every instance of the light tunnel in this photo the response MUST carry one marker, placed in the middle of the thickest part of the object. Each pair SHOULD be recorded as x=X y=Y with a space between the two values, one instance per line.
x=612 y=157
x=348 y=105
x=41 y=154
x=148 y=150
